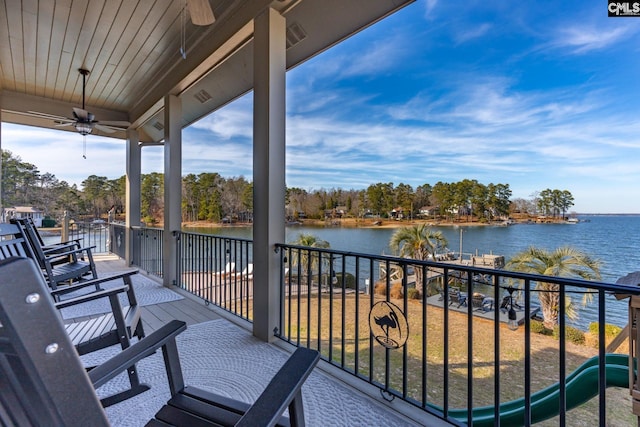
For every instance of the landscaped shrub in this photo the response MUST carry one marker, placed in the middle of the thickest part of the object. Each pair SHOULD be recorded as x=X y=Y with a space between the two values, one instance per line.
x=149 y=220
x=610 y=331
x=574 y=335
x=380 y=288
x=396 y=291
x=537 y=327
x=412 y=293
x=349 y=280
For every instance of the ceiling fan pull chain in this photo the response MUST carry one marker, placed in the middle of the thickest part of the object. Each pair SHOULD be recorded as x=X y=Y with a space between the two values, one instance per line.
x=183 y=37
x=84 y=146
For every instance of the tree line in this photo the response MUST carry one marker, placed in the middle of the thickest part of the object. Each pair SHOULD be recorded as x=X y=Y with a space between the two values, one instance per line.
x=210 y=197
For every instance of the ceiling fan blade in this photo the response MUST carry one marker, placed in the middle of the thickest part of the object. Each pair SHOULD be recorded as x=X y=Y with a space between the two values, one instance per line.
x=200 y=11
x=107 y=129
x=60 y=124
x=82 y=115
x=45 y=115
x=116 y=123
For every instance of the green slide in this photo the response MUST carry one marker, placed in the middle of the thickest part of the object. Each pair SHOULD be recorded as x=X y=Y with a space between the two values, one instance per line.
x=581 y=386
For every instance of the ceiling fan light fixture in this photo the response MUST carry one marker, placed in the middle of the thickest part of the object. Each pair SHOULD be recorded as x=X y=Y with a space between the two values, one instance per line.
x=83 y=128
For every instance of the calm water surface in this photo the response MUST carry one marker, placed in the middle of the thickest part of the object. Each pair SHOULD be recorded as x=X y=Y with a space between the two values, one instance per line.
x=614 y=239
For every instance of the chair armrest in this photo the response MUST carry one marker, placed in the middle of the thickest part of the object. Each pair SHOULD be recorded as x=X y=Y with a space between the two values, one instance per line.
x=56 y=253
x=138 y=351
x=58 y=247
x=72 y=241
x=91 y=296
x=93 y=282
x=283 y=388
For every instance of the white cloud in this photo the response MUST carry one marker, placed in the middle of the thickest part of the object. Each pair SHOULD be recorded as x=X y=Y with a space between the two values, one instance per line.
x=230 y=121
x=587 y=39
x=472 y=33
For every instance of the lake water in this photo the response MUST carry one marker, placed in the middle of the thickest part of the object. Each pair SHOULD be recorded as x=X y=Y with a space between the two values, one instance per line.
x=614 y=239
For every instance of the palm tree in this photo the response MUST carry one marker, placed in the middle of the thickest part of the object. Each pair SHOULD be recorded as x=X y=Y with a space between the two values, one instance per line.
x=308 y=259
x=562 y=262
x=417 y=242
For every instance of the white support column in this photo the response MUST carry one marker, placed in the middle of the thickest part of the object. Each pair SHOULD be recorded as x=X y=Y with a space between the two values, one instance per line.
x=134 y=177
x=172 y=183
x=269 y=58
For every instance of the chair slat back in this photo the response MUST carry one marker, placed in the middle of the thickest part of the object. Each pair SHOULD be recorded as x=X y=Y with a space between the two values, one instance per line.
x=41 y=377
x=13 y=243
x=32 y=239
x=28 y=224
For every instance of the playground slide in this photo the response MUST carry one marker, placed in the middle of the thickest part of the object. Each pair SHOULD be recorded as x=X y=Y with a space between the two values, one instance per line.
x=581 y=386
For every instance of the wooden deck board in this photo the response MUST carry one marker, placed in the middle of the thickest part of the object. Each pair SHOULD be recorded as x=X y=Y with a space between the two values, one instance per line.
x=189 y=309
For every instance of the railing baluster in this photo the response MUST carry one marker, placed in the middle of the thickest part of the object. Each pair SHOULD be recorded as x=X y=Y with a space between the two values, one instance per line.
x=496 y=349
x=527 y=353
x=445 y=332
x=405 y=307
x=562 y=375
x=371 y=302
x=319 y=300
x=343 y=311
x=330 y=285
x=602 y=372
x=298 y=311
x=469 y=348
x=423 y=380
x=356 y=361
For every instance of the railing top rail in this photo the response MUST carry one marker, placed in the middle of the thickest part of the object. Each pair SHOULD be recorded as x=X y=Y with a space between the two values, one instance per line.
x=142 y=227
x=563 y=281
x=237 y=239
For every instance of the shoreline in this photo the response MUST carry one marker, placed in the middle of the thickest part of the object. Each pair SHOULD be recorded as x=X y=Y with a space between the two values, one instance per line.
x=370 y=223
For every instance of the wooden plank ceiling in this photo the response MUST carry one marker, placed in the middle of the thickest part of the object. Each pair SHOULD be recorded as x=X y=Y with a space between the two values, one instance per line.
x=133 y=52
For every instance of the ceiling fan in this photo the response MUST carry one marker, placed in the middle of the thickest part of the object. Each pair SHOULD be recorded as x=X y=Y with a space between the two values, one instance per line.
x=82 y=120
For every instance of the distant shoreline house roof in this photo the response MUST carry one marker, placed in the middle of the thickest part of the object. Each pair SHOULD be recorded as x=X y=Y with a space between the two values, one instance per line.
x=426 y=211
x=23 y=212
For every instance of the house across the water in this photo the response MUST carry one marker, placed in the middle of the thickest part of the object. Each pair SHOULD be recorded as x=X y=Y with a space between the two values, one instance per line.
x=24 y=212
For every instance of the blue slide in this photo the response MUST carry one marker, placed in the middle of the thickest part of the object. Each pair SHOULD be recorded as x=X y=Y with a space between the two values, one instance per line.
x=581 y=386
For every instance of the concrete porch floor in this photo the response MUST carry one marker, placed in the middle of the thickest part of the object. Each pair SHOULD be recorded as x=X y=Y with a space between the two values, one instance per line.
x=370 y=409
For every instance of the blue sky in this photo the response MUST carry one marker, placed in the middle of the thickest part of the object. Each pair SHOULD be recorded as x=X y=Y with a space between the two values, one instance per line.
x=536 y=95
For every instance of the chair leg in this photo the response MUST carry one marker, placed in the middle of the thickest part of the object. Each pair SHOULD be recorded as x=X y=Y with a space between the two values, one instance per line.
x=296 y=411
x=139 y=331
x=135 y=389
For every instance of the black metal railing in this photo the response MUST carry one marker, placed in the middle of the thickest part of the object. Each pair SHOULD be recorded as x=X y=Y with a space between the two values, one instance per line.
x=148 y=250
x=91 y=234
x=218 y=270
x=448 y=348
x=434 y=334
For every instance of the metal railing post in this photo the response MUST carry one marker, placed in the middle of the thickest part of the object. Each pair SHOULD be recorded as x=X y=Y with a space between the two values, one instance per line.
x=634 y=351
x=65 y=227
